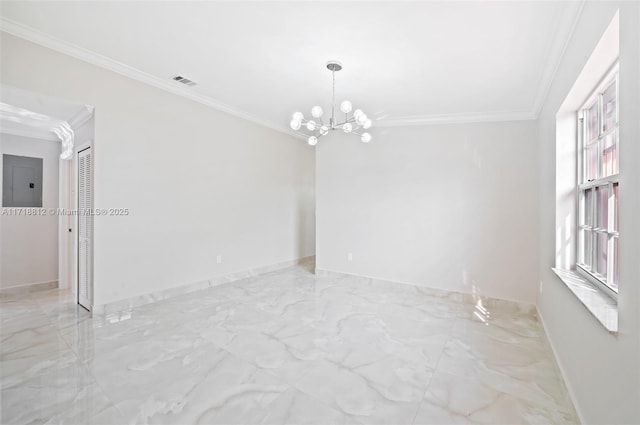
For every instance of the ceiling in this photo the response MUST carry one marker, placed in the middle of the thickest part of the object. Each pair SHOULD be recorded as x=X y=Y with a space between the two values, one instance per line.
x=404 y=62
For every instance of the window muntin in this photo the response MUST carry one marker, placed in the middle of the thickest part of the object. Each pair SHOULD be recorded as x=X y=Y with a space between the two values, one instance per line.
x=598 y=186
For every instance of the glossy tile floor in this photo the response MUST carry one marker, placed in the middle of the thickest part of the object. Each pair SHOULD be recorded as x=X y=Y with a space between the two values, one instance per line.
x=285 y=347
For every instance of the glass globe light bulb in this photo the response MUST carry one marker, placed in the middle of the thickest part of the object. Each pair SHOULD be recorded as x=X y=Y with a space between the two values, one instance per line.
x=311 y=125
x=312 y=140
x=295 y=124
x=346 y=106
x=366 y=137
x=316 y=111
x=298 y=116
x=347 y=127
x=361 y=119
x=324 y=130
x=357 y=113
x=367 y=124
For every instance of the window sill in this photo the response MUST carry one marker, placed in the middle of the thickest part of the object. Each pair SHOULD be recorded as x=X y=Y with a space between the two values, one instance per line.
x=601 y=306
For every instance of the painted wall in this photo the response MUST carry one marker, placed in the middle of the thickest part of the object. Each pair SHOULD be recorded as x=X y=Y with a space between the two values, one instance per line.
x=602 y=370
x=198 y=182
x=445 y=206
x=29 y=244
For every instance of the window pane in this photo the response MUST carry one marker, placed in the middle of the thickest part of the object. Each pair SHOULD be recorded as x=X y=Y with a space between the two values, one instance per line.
x=614 y=281
x=615 y=207
x=592 y=122
x=602 y=207
x=601 y=254
x=588 y=207
x=610 y=155
x=582 y=244
x=591 y=162
x=609 y=106
x=587 y=258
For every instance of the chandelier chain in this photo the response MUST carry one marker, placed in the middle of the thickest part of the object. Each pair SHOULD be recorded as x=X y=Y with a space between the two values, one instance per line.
x=333 y=101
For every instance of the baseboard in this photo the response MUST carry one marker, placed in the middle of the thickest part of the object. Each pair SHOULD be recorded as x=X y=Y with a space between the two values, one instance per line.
x=152 y=297
x=523 y=307
x=30 y=287
x=559 y=366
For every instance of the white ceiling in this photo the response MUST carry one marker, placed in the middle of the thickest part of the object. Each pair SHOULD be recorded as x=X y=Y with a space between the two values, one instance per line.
x=404 y=62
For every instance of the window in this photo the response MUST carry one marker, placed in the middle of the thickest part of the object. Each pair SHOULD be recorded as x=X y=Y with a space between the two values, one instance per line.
x=21 y=181
x=598 y=186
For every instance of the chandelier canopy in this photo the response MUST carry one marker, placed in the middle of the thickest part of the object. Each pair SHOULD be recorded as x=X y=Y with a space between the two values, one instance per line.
x=316 y=127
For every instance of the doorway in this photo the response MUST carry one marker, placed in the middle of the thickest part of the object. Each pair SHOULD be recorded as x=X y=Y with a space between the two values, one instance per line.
x=70 y=206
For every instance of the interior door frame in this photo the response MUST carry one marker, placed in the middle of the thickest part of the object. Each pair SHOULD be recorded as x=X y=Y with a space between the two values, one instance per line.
x=76 y=233
x=66 y=227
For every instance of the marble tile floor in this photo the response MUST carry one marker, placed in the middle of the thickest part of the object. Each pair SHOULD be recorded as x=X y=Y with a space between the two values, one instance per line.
x=284 y=347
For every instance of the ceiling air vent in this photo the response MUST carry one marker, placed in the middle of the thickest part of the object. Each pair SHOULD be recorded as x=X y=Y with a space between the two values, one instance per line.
x=183 y=80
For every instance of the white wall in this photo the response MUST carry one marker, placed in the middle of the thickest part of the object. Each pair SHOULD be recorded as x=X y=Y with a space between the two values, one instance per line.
x=198 y=182
x=446 y=206
x=29 y=244
x=601 y=370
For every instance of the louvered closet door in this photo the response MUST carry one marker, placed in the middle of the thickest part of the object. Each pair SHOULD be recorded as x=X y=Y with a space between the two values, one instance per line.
x=85 y=228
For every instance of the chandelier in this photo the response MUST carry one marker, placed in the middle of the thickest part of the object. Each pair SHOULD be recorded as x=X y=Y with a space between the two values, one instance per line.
x=316 y=127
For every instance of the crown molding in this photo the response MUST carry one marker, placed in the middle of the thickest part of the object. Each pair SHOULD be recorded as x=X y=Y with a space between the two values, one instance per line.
x=565 y=29
x=471 y=117
x=81 y=118
x=43 y=39
x=566 y=26
x=30 y=133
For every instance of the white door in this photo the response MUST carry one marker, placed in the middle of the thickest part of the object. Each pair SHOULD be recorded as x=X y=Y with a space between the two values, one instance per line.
x=85 y=228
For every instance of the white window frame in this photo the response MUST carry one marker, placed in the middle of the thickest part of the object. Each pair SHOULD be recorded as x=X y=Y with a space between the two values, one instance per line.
x=611 y=77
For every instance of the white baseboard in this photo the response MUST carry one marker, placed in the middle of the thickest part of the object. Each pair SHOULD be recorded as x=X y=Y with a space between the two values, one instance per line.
x=133 y=302
x=30 y=287
x=466 y=297
x=560 y=368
